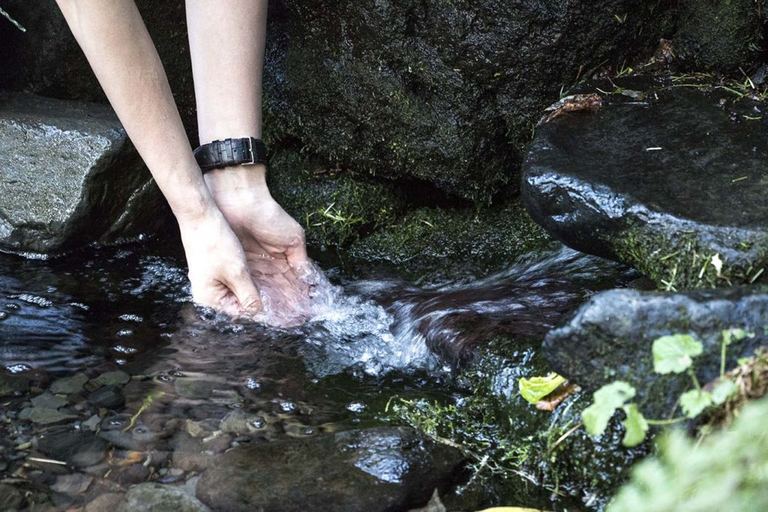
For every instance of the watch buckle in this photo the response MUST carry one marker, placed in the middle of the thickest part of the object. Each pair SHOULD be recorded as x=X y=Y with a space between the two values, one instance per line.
x=250 y=151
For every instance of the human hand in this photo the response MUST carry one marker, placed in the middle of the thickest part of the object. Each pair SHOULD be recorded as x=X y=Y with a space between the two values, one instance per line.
x=272 y=240
x=218 y=269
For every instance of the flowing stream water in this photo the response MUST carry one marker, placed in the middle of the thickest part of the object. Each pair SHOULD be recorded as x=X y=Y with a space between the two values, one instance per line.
x=375 y=335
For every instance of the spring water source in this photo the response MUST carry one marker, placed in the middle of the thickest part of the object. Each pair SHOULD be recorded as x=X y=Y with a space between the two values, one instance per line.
x=170 y=367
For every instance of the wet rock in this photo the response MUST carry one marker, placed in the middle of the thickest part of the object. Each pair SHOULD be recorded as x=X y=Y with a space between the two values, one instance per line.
x=151 y=497
x=58 y=188
x=73 y=484
x=196 y=388
x=131 y=474
x=109 y=397
x=722 y=36
x=611 y=336
x=672 y=184
x=137 y=438
x=12 y=384
x=45 y=416
x=240 y=422
x=113 y=378
x=10 y=498
x=104 y=503
x=69 y=385
x=442 y=238
x=440 y=92
x=48 y=401
x=80 y=449
x=364 y=470
x=335 y=206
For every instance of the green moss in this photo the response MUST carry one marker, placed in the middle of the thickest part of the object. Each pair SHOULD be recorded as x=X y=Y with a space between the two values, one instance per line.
x=511 y=444
x=727 y=471
x=720 y=35
x=433 y=235
x=677 y=261
x=334 y=207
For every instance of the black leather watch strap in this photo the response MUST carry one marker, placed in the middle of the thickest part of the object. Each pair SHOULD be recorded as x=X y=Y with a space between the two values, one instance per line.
x=228 y=152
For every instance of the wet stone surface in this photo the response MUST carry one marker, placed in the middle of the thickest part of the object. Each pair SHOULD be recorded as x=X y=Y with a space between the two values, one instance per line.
x=671 y=181
x=611 y=336
x=58 y=185
x=359 y=470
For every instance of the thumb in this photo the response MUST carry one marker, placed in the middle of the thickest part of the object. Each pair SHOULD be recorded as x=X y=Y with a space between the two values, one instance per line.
x=245 y=291
x=296 y=254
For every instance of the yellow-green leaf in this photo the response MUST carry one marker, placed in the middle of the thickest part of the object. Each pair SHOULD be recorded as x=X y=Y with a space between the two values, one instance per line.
x=536 y=388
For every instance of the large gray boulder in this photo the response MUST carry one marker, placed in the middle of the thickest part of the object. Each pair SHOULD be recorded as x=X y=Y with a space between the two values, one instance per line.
x=69 y=176
x=372 y=470
x=670 y=180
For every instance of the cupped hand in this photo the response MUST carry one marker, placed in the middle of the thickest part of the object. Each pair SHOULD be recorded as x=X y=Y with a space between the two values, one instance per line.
x=273 y=242
x=218 y=268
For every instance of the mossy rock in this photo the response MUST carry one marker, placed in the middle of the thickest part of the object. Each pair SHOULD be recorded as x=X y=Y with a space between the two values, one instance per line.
x=670 y=181
x=611 y=338
x=719 y=35
x=435 y=236
x=333 y=206
x=443 y=92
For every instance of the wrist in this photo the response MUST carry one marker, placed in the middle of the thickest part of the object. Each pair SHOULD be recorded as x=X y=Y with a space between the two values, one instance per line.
x=195 y=208
x=238 y=182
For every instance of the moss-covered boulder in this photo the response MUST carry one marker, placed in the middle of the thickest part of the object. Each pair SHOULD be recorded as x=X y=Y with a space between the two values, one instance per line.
x=720 y=35
x=611 y=338
x=334 y=207
x=427 y=237
x=670 y=181
x=445 y=92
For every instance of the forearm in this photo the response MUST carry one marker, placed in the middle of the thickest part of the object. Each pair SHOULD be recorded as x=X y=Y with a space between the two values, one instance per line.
x=123 y=57
x=226 y=40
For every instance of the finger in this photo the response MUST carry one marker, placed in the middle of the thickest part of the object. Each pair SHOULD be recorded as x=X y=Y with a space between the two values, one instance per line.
x=296 y=253
x=246 y=291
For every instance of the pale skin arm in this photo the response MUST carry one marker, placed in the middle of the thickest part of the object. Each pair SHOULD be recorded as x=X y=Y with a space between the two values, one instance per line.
x=123 y=57
x=227 y=39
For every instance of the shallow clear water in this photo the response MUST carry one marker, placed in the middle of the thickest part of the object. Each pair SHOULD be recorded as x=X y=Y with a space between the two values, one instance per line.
x=194 y=376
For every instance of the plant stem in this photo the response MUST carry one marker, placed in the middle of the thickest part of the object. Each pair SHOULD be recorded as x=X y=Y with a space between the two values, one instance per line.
x=723 y=350
x=694 y=379
x=670 y=421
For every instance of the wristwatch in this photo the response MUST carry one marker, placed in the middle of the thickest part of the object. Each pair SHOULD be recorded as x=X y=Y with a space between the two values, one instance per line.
x=229 y=152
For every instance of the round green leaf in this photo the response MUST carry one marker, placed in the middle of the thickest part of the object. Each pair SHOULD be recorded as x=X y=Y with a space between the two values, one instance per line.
x=723 y=390
x=604 y=403
x=635 y=426
x=675 y=353
x=694 y=402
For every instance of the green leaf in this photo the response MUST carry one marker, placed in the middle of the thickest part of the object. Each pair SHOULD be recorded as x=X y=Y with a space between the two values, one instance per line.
x=635 y=425
x=604 y=403
x=695 y=401
x=536 y=388
x=675 y=353
x=723 y=390
x=731 y=335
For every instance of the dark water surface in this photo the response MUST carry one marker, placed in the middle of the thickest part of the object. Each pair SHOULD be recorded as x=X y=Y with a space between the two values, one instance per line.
x=190 y=376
